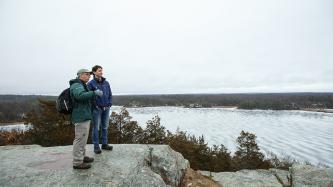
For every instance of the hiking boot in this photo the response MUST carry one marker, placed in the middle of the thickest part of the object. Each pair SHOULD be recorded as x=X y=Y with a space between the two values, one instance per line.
x=97 y=151
x=107 y=147
x=88 y=159
x=82 y=166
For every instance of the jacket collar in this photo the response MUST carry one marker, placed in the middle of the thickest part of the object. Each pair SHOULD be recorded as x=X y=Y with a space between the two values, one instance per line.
x=99 y=81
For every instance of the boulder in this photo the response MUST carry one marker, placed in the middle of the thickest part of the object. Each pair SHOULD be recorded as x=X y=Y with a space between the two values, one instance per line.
x=170 y=165
x=126 y=165
x=306 y=175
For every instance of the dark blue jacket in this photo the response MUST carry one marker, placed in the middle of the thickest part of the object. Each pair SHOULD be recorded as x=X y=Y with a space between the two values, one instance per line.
x=106 y=99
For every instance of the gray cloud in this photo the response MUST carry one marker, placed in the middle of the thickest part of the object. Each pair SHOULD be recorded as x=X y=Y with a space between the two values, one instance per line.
x=172 y=46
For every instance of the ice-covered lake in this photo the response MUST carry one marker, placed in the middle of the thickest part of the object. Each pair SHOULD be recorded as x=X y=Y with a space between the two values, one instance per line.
x=18 y=127
x=305 y=136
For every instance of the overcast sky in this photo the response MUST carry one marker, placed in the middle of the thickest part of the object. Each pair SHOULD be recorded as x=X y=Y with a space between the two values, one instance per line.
x=168 y=46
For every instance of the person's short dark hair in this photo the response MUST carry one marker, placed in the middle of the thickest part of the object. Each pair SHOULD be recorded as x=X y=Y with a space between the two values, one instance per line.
x=95 y=68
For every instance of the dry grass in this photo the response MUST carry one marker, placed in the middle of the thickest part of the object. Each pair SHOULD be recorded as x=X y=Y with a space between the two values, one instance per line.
x=195 y=179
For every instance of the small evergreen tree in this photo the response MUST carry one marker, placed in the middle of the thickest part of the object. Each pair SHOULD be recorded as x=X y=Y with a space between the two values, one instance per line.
x=154 y=133
x=221 y=159
x=248 y=155
x=132 y=133
x=121 y=128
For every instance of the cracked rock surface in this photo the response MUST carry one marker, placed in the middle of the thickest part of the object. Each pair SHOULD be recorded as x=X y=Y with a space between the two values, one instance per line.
x=126 y=165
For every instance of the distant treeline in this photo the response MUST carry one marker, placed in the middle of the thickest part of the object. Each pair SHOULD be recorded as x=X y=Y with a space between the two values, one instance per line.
x=14 y=107
x=273 y=101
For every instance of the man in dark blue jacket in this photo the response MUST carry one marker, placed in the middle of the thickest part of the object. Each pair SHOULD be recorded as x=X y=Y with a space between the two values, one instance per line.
x=101 y=109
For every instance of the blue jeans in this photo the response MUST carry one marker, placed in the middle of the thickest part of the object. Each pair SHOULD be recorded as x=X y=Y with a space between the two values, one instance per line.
x=100 y=121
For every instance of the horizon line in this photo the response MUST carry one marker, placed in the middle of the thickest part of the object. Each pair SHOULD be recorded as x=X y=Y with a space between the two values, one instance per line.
x=189 y=93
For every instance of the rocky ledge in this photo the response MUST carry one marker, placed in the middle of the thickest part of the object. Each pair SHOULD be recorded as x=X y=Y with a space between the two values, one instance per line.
x=297 y=176
x=127 y=165
x=138 y=165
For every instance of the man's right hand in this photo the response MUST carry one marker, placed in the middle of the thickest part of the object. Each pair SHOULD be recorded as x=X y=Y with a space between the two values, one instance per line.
x=98 y=93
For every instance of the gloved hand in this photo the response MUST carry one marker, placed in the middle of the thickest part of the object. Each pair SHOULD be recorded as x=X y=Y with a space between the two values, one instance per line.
x=98 y=93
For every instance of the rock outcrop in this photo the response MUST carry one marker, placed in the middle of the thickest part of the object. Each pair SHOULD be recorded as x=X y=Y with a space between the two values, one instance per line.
x=127 y=165
x=297 y=176
x=306 y=176
x=138 y=165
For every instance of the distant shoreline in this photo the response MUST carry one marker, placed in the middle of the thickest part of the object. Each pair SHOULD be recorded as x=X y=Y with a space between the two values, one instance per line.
x=227 y=107
x=317 y=110
x=179 y=106
x=236 y=107
x=11 y=123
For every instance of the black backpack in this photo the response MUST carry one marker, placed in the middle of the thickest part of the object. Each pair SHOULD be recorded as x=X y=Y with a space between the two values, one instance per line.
x=64 y=102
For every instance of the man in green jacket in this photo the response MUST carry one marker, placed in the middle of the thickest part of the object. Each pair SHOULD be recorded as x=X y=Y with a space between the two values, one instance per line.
x=81 y=117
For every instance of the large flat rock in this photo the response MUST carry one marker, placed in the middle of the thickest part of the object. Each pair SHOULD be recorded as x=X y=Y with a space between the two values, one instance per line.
x=126 y=165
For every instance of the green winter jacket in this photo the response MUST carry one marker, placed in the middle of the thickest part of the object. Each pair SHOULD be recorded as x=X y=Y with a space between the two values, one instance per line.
x=82 y=101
